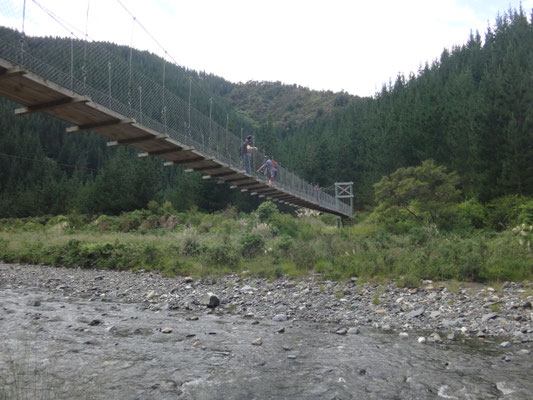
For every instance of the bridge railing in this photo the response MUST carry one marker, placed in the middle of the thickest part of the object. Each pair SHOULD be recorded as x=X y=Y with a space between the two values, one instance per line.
x=108 y=78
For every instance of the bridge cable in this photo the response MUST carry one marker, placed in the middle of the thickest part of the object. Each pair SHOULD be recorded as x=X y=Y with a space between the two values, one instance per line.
x=84 y=66
x=131 y=55
x=22 y=36
x=169 y=55
x=164 y=109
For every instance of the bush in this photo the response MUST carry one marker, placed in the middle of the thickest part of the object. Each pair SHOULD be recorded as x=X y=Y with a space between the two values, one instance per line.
x=304 y=257
x=425 y=194
x=191 y=246
x=266 y=210
x=525 y=215
x=222 y=255
x=328 y=219
x=471 y=214
x=285 y=224
x=503 y=212
x=252 y=245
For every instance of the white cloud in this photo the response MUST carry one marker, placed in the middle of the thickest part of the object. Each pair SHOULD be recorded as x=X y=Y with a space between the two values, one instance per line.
x=326 y=45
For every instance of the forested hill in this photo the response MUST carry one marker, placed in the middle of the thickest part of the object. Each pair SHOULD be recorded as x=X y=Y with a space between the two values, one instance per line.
x=471 y=111
x=285 y=106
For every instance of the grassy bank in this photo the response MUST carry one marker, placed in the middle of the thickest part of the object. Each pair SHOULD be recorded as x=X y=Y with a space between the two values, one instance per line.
x=267 y=244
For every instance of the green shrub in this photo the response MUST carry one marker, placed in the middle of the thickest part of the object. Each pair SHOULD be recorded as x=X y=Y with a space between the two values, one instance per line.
x=266 y=210
x=502 y=213
x=471 y=214
x=304 y=256
x=283 y=243
x=191 y=246
x=106 y=223
x=252 y=245
x=525 y=215
x=328 y=219
x=285 y=224
x=408 y=281
x=328 y=270
x=222 y=255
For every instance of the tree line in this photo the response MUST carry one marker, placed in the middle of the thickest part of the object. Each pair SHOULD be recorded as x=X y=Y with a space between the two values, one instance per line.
x=471 y=111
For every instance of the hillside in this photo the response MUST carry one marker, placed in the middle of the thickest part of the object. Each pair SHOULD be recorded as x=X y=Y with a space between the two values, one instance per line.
x=285 y=106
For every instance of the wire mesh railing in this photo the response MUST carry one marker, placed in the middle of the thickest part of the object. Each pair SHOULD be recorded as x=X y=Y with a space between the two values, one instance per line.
x=106 y=73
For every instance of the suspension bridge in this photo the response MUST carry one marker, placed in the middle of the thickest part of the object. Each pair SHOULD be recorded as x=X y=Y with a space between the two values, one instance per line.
x=74 y=81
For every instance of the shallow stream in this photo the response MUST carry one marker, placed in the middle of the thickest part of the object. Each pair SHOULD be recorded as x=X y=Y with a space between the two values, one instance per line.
x=54 y=346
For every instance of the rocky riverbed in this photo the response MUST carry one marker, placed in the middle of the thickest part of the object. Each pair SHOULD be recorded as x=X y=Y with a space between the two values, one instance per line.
x=109 y=334
x=460 y=311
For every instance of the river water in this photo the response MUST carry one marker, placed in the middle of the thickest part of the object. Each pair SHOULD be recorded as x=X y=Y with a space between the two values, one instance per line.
x=60 y=347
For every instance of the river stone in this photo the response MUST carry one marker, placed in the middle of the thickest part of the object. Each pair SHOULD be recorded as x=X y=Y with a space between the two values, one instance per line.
x=354 y=331
x=403 y=335
x=527 y=304
x=436 y=337
x=488 y=317
x=150 y=295
x=505 y=344
x=341 y=331
x=34 y=303
x=211 y=300
x=246 y=288
x=421 y=339
x=257 y=342
x=416 y=313
x=280 y=317
x=166 y=330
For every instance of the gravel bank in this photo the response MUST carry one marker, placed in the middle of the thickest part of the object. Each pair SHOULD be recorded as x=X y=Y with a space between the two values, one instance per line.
x=436 y=311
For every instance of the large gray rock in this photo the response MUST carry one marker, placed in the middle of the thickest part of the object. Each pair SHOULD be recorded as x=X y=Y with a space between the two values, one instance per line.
x=488 y=317
x=416 y=313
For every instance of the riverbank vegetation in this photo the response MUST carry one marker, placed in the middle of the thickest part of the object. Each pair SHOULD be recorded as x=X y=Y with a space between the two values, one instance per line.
x=419 y=230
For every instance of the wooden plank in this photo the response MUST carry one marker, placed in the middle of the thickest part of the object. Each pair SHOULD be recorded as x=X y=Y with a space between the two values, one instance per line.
x=184 y=161
x=238 y=179
x=207 y=168
x=269 y=189
x=221 y=174
x=136 y=140
x=161 y=152
x=12 y=72
x=67 y=101
x=102 y=124
x=252 y=185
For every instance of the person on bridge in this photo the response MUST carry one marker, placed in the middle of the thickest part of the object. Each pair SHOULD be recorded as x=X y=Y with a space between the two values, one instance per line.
x=246 y=152
x=268 y=169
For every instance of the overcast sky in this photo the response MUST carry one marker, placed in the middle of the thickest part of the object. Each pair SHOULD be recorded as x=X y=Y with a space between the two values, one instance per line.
x=335 y=45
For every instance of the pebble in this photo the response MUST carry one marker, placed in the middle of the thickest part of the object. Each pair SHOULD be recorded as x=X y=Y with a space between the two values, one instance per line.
x=421 y=339
x=257 y=342
x=403 y=335
x=342 y=331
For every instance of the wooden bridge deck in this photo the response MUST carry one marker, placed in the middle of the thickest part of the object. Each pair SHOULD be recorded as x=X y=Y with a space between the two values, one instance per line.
x=40 y=95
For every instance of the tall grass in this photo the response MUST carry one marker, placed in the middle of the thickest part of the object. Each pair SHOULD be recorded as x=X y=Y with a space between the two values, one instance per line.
x=266 y=244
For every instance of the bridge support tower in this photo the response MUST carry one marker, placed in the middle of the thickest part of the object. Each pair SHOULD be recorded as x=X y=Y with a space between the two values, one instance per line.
x=344 y=190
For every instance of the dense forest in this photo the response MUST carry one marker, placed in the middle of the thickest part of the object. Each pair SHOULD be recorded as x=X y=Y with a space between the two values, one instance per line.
x=471 y=111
